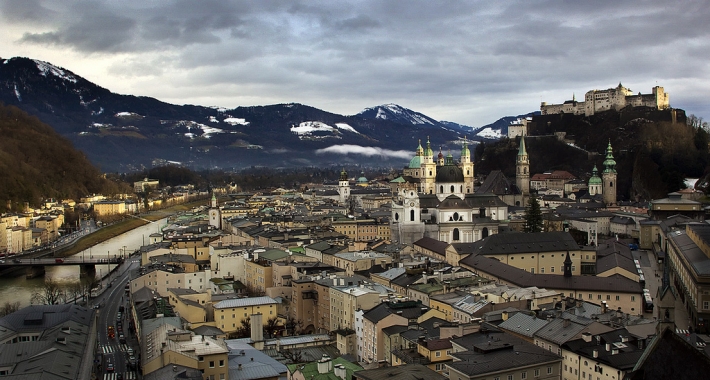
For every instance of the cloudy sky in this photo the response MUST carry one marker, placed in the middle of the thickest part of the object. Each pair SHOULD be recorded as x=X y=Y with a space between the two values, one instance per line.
x=471 y=62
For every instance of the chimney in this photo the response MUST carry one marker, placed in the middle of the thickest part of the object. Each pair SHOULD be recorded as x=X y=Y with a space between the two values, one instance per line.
x=595 y=353
x=565 y=322
x=604 y=307
x=614 y=351
x=608 y=347
x=340 y=371
x=257 y=328
x=579 y=303
x=240 y=366
x=587 y=337
x=325 y=365
x=504 y=315
x=564 y=304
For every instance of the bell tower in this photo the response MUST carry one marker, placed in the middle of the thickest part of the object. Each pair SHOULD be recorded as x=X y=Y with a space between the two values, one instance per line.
x=467 y=167
x=609 y=178
x=343 y=186
x=522 y=169
x=214 y=213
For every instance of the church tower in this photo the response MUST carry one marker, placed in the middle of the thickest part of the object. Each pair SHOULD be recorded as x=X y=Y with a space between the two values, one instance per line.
x=428 y=166
x=522 y=169
x=440 y=158
x=467 y=167
x=214 y=214
x=609 y=178
x=343 y=186
x=595 y=183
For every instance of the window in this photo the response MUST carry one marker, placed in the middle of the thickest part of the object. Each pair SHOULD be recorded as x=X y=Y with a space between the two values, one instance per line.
x=537 y=372
x=633 y=298
x=542 y=270
x=706 y=305
x=524 y=375
x=200 y=358
x=221 y=362
x=552 y=269
x=608 y=297
x=599 y=296
x=590 y=295
x=510 y=377
x=549 y=370
x=211 y=363
x=617 y=298
x=438 y=354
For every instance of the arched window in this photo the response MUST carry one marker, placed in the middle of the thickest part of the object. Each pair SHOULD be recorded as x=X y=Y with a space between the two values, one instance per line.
x=484 y=233
x=452 y=188
x=525 y=170
x=611 y=184
x=396 y=216
x=456 y=234
x=468 y=172
x=461 y=191
x=456 y=216
x=431 y=191
x=411 y=215
x=441 y=189
x=429 y=172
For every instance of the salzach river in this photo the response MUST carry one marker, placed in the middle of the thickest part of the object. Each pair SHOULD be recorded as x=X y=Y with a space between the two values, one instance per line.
x=20 y=289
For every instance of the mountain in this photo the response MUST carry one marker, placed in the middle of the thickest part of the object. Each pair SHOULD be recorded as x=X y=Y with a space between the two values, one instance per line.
x=128 y=133
x=405 y=116
x=499 y=128
x=36 y=162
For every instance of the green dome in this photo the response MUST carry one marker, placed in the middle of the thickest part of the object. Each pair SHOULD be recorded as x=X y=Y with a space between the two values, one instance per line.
x=464 y=150
x=416 y=162
x=595 y=180
x=609 y=163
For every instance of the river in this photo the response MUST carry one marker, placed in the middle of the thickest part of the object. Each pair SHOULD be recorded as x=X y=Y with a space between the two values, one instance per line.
x=20 y=289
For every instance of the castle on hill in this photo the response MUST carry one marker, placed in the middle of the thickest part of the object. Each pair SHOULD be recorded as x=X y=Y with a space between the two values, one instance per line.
x=613 y=98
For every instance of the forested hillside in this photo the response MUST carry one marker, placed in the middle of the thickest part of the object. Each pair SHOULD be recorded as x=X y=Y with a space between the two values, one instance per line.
x=36 y=162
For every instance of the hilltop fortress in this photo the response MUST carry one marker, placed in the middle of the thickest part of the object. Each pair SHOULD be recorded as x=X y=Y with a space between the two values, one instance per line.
x=612 y=98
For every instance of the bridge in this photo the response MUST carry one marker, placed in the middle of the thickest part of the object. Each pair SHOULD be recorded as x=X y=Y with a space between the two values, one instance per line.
x=34 y=266
x=48 y=261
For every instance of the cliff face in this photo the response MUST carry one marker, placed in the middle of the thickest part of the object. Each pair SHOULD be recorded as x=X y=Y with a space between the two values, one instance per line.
x=654 y=149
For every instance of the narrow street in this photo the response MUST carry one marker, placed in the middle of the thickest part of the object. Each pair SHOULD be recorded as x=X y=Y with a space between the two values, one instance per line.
x=653 y=273
x=110 y=352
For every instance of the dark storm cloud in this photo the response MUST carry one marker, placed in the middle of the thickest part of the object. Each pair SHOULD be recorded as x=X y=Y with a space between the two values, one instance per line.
x=464 y=58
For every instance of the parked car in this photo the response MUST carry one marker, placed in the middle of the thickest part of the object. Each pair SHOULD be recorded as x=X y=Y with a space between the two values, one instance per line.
x=58 y=260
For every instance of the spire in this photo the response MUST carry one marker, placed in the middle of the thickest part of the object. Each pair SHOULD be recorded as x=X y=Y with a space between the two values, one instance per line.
x=465 y=151
x=522 y=151
x=420 y=150
x=428 y=152
x=343 y=175
x=568 y=266
x=609 y=162
x=573 y=99
x=449 y=159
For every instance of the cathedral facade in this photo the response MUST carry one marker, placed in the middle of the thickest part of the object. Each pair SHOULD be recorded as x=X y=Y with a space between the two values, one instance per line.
x=436 y=199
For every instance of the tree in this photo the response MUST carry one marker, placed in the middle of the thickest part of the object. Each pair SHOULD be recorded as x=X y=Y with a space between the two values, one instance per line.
x=533 y=215
x=9 y=308
x=49 y=294
x=271 y=327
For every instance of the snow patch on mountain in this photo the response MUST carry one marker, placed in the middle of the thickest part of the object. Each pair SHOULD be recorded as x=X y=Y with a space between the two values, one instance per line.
x=346 y=127
x=127 y=114
x=46 y=68
x=236 y=121
x=308 y=127
x=213 y=119
x=207 y=131
x=17 y=94
x=398 y=113
x=490 y=133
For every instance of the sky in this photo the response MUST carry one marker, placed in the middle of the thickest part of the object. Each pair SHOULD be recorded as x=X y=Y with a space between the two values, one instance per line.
x=469 y=62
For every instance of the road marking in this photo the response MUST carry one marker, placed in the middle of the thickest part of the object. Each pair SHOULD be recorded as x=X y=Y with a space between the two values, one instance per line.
x=107 y=349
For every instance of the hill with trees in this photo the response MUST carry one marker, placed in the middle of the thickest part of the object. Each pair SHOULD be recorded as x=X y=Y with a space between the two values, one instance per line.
x=38 y=163
x=654 y=149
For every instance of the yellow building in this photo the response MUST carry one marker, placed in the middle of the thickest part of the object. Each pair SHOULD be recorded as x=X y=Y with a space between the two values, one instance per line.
x=228 y=314
x=192 y=306
x=170 y=346
x=105 y=208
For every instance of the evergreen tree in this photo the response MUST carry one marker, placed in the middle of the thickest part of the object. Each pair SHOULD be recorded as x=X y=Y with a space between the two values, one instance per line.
x=533 y=215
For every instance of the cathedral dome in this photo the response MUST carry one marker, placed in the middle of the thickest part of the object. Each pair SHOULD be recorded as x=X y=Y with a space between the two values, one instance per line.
x=416 y=162
x=449 y=173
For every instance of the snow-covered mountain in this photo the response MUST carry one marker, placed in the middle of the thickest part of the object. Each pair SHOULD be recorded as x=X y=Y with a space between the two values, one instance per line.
x=397 y=114
x=499 y=128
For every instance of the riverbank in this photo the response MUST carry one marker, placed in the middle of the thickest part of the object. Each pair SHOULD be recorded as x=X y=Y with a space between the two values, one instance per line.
x=124 y=226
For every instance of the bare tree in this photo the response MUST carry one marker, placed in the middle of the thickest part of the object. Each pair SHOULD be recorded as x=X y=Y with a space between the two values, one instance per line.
x=51 y=293
x=271 y=327
x=9 y=308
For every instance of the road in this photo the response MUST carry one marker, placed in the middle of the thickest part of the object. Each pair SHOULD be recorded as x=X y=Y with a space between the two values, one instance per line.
x=111 y=350
x=653 y=272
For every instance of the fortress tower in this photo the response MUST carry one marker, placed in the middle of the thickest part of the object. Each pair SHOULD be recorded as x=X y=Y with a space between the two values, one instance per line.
x=609 y=178
x=522 y=169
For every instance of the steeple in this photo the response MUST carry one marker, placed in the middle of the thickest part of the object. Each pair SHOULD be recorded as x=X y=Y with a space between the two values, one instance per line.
x=440 y=158
x=465 y=152
x=420 y=150
x=609 y=162
x=568 y=266
x=428 y=152
x=343 y=175
x=522 y=169
x=521 y=150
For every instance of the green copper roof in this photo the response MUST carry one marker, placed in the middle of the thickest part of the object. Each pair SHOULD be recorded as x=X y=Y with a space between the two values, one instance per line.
x=522 y=151
x=595 y=180
x=398 y=180
x=609 y=163
x=416 y=162
x=420 y=150
x=428 y=151
x=464 y=150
